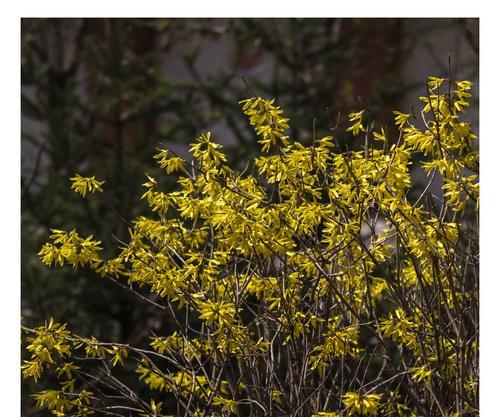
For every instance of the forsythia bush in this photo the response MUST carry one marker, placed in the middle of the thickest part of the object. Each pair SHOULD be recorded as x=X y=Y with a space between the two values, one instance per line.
x=314 y=283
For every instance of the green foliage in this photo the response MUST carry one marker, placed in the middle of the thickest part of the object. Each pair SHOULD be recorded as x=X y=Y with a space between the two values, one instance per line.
x=309 y=284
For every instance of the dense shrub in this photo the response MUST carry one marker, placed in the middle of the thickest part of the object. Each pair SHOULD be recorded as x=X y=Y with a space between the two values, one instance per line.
x=311 y=283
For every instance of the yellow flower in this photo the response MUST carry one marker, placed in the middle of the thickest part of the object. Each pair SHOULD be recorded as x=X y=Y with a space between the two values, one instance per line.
x=267 y=120
x=169 y=163
x=363 y=404
x=84 y=185
x=421 y=374
x=357 y=126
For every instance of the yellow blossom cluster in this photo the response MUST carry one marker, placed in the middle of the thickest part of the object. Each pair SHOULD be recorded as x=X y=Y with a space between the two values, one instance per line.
x=321 y=283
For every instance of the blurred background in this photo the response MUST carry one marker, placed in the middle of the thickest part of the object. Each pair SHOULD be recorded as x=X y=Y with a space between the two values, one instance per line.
x=99 y=95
